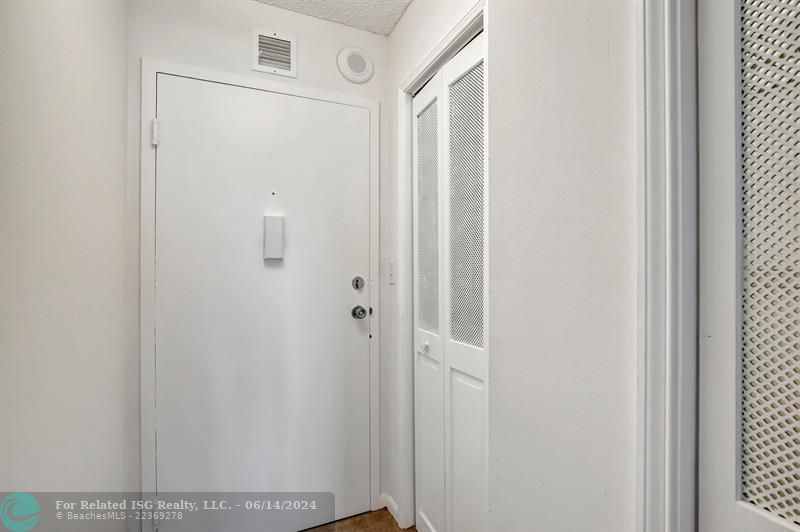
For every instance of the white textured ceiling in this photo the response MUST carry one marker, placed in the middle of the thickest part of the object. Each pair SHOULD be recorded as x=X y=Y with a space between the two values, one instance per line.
x=377 y=16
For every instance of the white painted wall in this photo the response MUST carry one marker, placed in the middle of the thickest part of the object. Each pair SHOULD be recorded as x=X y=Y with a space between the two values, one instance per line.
x=68 y=380
x=424 y=24
x=562 y=163
x=217 y=34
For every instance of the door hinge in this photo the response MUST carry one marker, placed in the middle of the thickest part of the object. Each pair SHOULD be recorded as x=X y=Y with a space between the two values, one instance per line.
x=154 y=133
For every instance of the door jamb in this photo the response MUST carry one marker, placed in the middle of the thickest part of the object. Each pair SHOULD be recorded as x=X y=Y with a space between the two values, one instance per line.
x=150 y=69
x=470 y=25
x=667 y=259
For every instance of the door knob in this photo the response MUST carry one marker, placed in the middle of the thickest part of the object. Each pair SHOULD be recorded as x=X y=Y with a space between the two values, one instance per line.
x=358 y=312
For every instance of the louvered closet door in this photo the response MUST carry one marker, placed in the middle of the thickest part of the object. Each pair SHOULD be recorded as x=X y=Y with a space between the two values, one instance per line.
x=451 y=362
x=428 y=312
x=465 y=281
x=749 y=385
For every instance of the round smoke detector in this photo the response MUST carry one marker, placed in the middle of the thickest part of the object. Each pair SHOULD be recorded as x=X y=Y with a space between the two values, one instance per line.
x=355 y=65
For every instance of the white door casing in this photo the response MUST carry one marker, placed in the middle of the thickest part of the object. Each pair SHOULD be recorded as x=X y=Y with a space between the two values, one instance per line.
x=749 y=389
x=452 y=377
x=264 y=380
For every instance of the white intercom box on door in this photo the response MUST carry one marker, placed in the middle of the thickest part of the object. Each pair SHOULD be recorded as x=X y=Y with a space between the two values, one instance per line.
x=273 y=237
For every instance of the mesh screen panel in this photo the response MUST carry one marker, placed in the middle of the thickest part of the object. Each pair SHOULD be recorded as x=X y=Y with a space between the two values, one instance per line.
x=467 y=208
x=771 y=235
x=428 y=219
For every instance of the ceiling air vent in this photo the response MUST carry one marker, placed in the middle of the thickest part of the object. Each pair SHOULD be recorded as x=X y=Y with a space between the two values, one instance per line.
x=274 y=53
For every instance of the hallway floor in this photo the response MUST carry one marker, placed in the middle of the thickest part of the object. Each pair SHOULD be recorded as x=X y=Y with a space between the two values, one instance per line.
x=378 y=521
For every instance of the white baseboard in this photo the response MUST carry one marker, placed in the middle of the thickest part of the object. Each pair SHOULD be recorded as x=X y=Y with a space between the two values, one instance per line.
x=394 y=509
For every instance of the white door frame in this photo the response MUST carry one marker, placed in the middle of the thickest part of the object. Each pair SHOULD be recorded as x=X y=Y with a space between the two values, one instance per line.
x=462 y=33
x=667 y=258
x=150 y=70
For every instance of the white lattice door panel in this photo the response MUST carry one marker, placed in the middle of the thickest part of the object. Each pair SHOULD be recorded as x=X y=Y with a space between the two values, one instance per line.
x=428 y=289
x=466 y=294
x=750 y=265
x=451 y=376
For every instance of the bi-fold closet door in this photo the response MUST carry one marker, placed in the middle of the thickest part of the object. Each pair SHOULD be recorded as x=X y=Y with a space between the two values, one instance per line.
x=450 y=294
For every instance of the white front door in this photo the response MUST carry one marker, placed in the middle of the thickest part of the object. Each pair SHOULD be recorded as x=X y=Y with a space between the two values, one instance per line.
x=450 y=292
x=262 y=373
x=749 y=384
